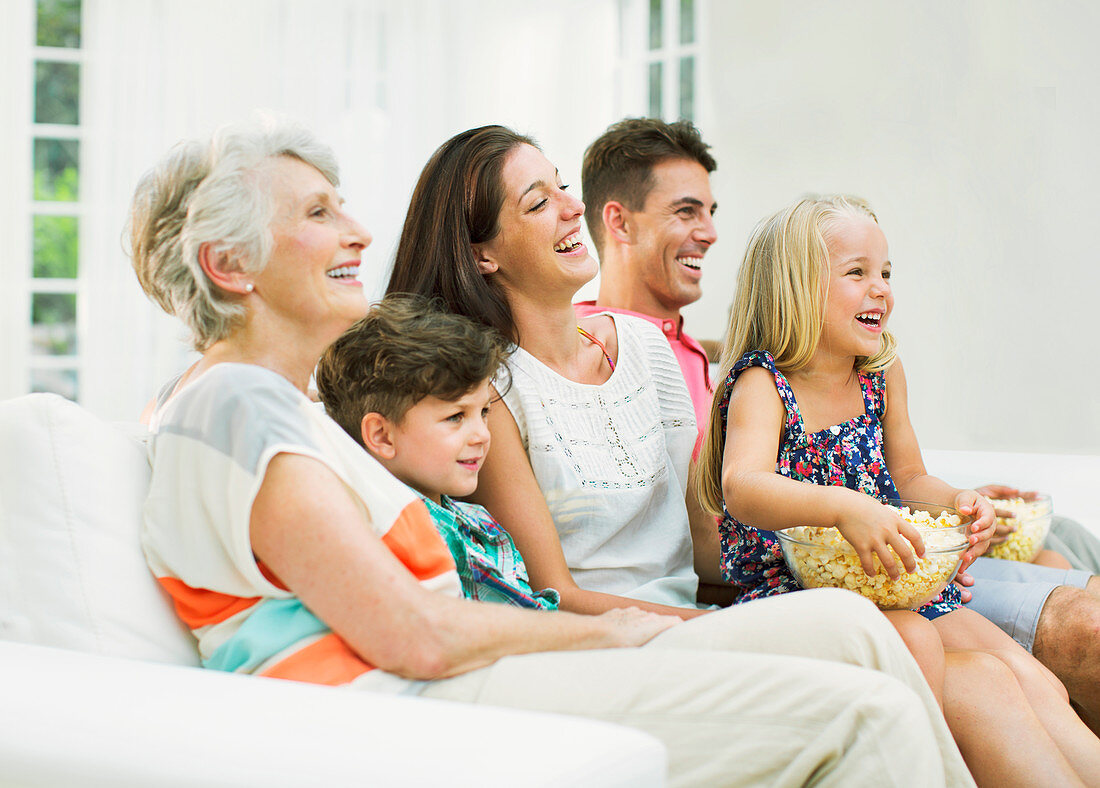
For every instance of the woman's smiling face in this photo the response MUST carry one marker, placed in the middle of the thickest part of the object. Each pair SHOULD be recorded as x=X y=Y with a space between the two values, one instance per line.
x=538 y=250
x=311 y=279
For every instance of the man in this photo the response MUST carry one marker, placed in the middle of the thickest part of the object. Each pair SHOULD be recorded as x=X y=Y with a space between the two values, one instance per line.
x=649 y=209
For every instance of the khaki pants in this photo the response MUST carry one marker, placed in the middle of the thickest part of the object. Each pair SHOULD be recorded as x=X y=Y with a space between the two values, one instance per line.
x=736 y=700
x=1076 y=542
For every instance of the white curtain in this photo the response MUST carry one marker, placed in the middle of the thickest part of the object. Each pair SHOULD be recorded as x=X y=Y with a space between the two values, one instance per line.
x=383 y=83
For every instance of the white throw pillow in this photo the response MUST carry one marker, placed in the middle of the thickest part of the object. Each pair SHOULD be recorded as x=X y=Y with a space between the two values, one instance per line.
x=72 y=573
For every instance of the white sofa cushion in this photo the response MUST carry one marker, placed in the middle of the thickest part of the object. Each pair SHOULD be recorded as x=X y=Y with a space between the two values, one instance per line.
x=101 y=722
x=72 y=573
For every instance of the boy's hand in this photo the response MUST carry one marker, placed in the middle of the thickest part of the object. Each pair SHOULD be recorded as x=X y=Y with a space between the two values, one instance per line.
x=871 y=528
x=982 y=528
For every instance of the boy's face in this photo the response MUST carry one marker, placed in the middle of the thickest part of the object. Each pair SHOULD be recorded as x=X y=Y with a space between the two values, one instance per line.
x=439 y=446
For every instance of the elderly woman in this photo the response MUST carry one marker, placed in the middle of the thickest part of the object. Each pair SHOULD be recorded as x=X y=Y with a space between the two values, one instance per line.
x=290 y=552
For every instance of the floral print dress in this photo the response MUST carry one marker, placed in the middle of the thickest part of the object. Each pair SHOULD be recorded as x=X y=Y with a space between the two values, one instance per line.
x=844 y=455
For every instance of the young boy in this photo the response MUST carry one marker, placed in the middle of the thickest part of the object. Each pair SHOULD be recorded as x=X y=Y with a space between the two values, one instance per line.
x=410 y=383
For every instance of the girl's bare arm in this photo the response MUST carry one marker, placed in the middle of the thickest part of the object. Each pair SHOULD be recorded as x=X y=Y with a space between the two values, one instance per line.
x=755 y=494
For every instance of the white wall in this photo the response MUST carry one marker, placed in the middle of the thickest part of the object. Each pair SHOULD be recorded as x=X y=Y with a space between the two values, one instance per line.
x=383 y=83
x=970 y=126
x=972 y=129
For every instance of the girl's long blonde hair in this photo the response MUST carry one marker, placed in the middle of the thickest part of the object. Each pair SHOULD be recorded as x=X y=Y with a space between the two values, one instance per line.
x=779 y=306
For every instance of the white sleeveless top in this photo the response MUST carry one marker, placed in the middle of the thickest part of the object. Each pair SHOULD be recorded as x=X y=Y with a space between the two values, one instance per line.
x=612 y=462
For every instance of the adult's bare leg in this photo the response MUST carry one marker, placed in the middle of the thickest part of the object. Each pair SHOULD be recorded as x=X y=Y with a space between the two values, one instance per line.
x=1052 y=559
x=1000 y=736
x=923 y=642
x=1041 y=688
x=1067 y=641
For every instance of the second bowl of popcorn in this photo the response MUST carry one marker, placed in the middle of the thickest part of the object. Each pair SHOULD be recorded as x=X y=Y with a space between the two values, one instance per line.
x=1032 y=517
x=820 y=558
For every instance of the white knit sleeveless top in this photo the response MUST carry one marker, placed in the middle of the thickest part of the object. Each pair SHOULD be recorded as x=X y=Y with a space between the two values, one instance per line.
x=612 y=462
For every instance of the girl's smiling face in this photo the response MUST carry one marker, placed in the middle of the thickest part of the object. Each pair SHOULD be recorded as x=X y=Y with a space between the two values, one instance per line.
x=538 y=250
x=859 y=298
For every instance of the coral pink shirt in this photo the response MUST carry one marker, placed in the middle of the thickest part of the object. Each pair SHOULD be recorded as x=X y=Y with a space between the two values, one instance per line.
x=689 y=353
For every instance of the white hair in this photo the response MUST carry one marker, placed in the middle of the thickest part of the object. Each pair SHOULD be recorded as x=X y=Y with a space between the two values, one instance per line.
x=212 y=191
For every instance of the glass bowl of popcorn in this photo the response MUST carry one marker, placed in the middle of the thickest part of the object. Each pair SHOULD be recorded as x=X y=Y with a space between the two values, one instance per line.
x=821 y=558
x=1032 y=517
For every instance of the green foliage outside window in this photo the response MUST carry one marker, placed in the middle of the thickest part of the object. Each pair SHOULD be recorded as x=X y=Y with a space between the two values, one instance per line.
x=656 y=24
x=56 y=170
x=58 y=23
x=56 y=92
x=56 y=244
x=53 y=308
x=53 y=323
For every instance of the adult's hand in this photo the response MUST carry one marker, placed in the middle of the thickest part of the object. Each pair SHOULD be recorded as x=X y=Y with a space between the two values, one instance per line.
x=632 y=626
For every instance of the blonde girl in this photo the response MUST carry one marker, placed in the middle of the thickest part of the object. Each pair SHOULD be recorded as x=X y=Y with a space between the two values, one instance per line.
x=815 y=393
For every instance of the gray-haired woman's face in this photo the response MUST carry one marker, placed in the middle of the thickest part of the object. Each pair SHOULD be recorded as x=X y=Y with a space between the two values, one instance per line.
x=310 y=282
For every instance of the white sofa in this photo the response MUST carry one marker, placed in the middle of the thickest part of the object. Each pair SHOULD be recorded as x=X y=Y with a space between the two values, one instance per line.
x=99 y=684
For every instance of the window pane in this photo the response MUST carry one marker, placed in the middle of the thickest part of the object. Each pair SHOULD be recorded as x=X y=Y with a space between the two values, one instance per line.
x=58 y=23
x=656 y=77
x=53 y=324
x=56 y=175
x=687 y=88
x=56 y=92
x=58 y=381
x=656 y=24
x=55 y=247
x=687 y=21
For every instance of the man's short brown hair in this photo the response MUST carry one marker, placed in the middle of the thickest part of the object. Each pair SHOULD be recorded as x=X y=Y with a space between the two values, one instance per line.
x=405 y=349
x=619 y=164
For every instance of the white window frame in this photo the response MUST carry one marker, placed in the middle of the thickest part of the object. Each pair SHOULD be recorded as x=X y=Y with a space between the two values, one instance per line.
x=635 y=59
x=17 y=361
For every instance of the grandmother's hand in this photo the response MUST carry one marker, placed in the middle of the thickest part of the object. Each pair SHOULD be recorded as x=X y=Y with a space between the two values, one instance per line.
x=632 y=626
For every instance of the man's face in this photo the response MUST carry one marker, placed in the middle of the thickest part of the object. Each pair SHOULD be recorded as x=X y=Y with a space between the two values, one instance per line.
x=671 y=234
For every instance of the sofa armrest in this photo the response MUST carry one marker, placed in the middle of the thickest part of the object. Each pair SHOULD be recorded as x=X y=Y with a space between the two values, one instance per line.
x=81 y=719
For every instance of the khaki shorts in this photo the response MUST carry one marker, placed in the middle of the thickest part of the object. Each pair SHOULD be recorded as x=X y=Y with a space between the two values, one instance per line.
x=1011 y=594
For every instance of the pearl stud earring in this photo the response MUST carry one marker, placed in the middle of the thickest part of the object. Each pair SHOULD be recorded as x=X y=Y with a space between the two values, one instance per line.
x=249 y=287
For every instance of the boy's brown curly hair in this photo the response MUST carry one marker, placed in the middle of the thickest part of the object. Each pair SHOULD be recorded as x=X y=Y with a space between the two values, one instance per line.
x=405 y=349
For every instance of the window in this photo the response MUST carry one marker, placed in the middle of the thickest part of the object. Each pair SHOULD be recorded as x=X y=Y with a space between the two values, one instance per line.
x=53 y=270
x=659 y=57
